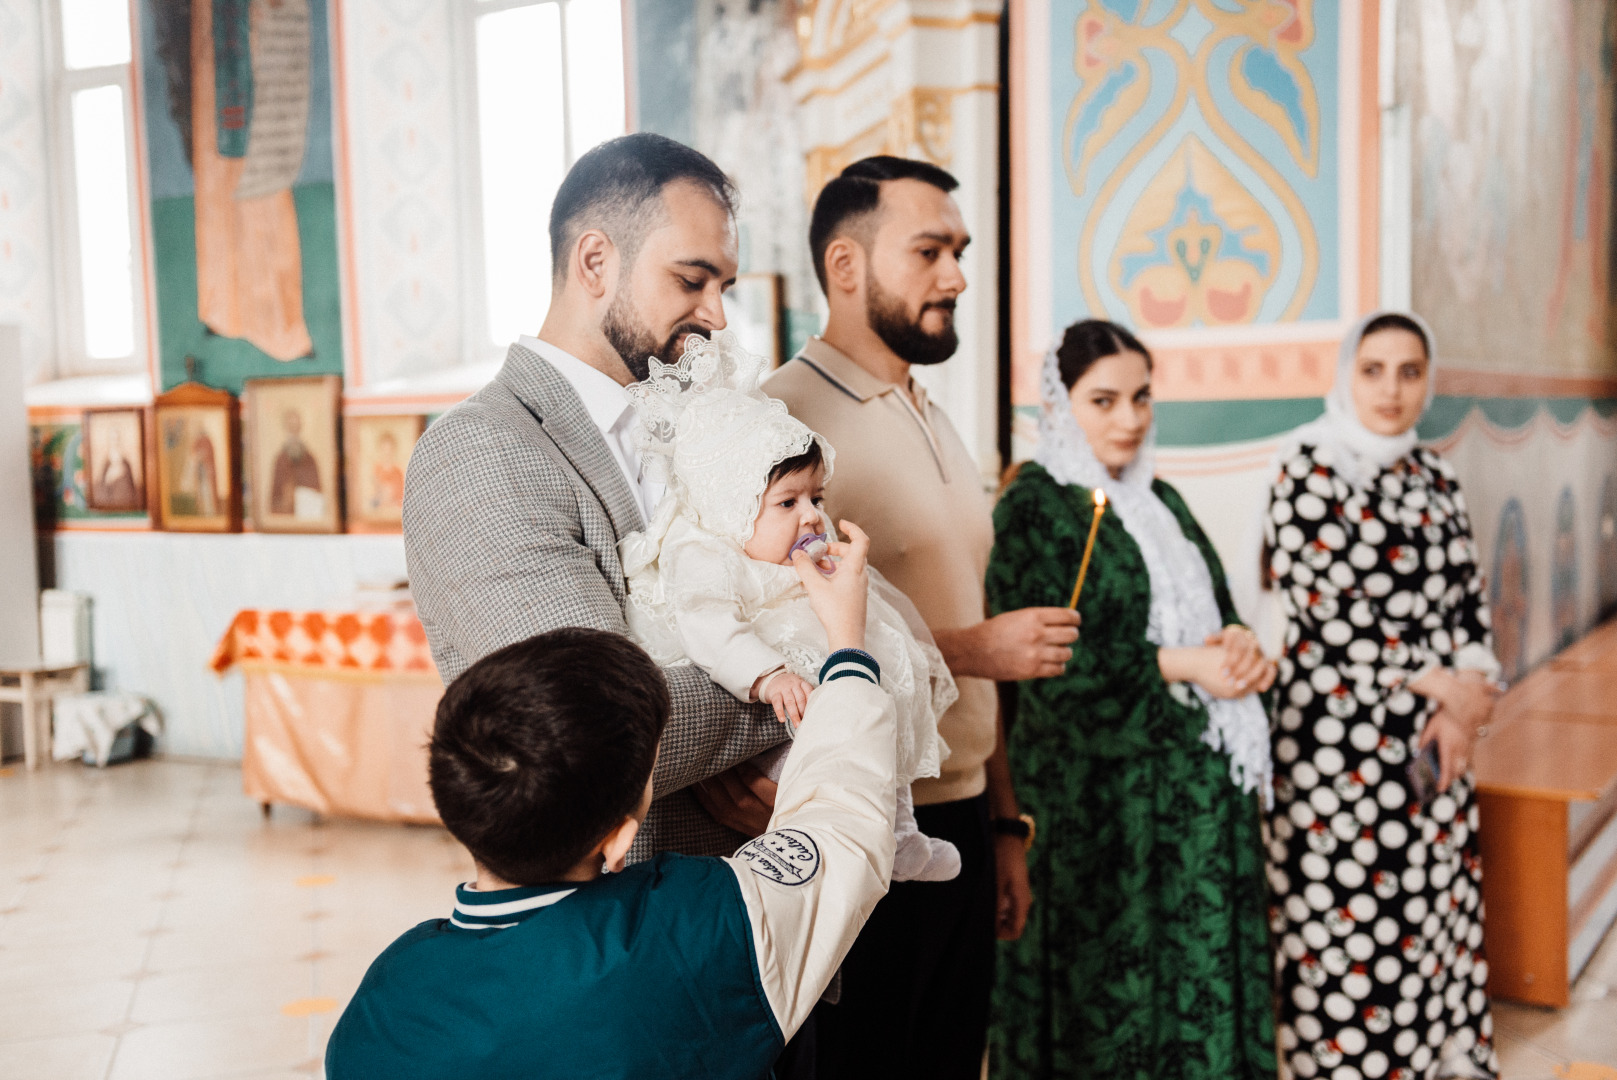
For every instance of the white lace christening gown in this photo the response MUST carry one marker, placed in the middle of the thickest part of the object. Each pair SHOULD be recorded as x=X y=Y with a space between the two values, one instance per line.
x=700 y=599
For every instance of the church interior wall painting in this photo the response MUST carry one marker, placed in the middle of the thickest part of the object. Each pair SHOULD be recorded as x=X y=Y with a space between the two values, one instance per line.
x=1511 y=120
x=238 y=123
x=1136 y=185
x=1197 y=170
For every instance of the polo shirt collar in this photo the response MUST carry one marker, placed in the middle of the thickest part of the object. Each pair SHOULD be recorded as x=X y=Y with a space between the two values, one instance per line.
x=605 y=401
x=503 y=908
x=853 y=380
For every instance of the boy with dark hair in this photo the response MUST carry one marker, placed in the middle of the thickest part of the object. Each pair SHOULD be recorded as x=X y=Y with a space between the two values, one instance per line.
x=551 y=966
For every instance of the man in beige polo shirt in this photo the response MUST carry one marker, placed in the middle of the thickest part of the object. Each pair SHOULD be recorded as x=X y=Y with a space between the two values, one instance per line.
x=887 y=238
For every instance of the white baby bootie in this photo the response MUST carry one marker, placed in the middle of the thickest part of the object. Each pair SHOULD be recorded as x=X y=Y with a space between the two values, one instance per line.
x=919 y=857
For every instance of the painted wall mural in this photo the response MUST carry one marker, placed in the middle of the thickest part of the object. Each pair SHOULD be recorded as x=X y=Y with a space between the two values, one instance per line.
x=1564 y=571
x=1606 y=550
x=1198 y=153
x=1511 y=108
x=1509 y=590
x=25 y=227
x=238 y=113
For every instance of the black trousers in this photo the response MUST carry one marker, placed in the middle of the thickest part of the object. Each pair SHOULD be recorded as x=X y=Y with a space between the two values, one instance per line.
x=916 y=985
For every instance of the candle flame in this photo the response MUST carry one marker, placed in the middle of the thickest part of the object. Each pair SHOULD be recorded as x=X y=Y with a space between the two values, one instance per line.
x=1100 y=497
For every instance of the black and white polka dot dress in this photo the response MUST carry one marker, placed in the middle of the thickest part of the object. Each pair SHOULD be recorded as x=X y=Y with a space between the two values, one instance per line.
x=1376 y=901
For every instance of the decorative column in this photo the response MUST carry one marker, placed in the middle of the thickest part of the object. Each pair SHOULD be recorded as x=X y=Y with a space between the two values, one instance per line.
x=919 y=79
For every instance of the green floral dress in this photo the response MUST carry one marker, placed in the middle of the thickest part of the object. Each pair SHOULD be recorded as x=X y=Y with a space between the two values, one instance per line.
x=1146 y=954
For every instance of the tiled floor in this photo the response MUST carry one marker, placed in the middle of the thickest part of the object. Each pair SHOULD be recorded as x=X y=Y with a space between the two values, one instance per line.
x=152 y=924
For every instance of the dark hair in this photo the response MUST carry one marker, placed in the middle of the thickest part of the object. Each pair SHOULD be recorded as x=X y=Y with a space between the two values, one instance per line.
x=1394 y=321
x=856 y=193
x=542 y=748
x=615 y=188
x=806 y=460
x=1092 y=340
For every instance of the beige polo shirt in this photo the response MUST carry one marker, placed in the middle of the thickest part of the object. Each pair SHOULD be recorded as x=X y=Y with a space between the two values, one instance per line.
x=904 y=476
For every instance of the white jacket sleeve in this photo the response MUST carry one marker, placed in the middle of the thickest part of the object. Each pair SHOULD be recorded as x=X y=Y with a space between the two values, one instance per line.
x=811 y=881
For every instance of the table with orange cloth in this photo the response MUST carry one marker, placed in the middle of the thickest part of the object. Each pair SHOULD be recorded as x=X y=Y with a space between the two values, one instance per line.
x=339 y=708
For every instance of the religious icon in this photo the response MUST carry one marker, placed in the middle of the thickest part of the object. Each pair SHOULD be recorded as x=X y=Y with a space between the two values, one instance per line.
x=293 y=454
x=1509 y=595
x=196 y=464
x=376 y=449
x=115 y=460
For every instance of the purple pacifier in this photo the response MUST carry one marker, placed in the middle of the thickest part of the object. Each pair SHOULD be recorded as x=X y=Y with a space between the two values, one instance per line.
x=815 y=545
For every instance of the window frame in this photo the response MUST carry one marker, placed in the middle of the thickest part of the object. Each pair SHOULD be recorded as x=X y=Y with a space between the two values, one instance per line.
x=477 y=343
x=72 y=357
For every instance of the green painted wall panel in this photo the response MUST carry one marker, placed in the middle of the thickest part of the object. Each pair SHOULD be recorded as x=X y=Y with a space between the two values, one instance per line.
x=227 y=362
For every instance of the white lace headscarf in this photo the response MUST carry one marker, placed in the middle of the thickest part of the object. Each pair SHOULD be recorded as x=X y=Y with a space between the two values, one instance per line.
x=707 y=431
x=1184 y=610
x=1358 y=453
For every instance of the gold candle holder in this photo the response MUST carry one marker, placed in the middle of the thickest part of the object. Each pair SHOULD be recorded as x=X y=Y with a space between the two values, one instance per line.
x=1089 y=547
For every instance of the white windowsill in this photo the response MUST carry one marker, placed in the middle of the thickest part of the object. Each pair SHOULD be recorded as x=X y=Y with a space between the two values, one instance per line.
x=91 y=391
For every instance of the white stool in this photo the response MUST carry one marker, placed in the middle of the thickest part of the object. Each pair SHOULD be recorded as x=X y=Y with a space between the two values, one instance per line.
x=33 y=686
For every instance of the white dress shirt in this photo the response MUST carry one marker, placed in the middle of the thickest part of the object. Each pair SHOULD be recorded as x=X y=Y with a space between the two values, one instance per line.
x=611 y=410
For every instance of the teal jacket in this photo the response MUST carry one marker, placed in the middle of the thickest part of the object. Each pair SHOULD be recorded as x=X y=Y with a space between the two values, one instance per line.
x=676 y=967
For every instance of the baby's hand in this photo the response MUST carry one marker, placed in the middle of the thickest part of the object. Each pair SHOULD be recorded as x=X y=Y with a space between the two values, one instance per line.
x=789 y=695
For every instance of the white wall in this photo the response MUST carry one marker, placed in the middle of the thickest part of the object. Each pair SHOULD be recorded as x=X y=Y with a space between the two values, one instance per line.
x=26 y=298
x=162 y=601
x=19 y=582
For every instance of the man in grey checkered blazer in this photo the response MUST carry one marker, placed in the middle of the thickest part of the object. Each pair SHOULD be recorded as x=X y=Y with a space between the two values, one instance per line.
x=516 y=499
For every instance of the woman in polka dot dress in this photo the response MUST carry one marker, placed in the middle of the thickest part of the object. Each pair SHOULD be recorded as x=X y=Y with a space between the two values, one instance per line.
x=1377 y=902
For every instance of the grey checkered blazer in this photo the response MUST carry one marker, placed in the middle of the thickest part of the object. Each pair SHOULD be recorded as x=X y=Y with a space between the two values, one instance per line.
x=513 y=509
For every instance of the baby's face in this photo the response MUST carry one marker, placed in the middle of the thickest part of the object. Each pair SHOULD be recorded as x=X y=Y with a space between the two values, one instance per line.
x=791 y=508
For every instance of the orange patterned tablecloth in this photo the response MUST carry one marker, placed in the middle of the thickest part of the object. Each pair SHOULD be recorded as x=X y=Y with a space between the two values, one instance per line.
x=379 y=643
x=339 y=709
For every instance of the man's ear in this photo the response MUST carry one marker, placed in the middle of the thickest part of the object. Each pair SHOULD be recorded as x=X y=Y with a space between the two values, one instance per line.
x=615 y=846
x=845 y=264
x=594 y=259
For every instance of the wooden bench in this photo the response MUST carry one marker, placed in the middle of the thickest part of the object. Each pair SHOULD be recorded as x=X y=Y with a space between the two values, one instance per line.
x=1547 y=791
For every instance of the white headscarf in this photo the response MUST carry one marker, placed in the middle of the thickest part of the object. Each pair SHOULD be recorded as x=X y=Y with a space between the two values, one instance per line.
x=1184 y=609
x=1356 y=453
x=1359 y=453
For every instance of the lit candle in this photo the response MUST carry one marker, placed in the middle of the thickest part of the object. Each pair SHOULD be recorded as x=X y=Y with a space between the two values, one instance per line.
x=1089 y=546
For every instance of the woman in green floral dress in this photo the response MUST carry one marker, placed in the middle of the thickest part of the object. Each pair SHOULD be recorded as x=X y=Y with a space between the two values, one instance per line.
x=1146 y=955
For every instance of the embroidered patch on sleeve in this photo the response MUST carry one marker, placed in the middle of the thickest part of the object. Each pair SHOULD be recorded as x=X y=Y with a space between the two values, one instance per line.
x=788 y=856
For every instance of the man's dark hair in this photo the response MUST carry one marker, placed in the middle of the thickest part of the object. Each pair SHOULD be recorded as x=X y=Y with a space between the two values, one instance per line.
x=542 y=748
x=856 y=194
x=806 y=460
x=615 y=188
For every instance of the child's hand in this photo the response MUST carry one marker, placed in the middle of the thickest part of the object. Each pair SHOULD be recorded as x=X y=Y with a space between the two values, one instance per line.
x=839 y=600
x=789 y=695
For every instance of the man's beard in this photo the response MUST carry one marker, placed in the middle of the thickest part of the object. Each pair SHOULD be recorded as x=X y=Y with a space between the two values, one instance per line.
x=634 y=344
x=892 y=323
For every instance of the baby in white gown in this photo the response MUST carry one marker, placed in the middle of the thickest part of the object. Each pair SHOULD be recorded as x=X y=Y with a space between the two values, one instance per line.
x=711 y=580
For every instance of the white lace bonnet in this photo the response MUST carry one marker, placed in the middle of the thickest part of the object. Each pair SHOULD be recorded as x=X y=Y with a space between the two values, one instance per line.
x=707 y=431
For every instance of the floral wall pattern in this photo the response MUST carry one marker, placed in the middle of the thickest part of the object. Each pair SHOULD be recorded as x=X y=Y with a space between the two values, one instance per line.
x=1198 y=166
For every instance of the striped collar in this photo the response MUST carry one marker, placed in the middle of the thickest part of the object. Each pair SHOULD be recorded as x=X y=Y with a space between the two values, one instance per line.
x=504 y=907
